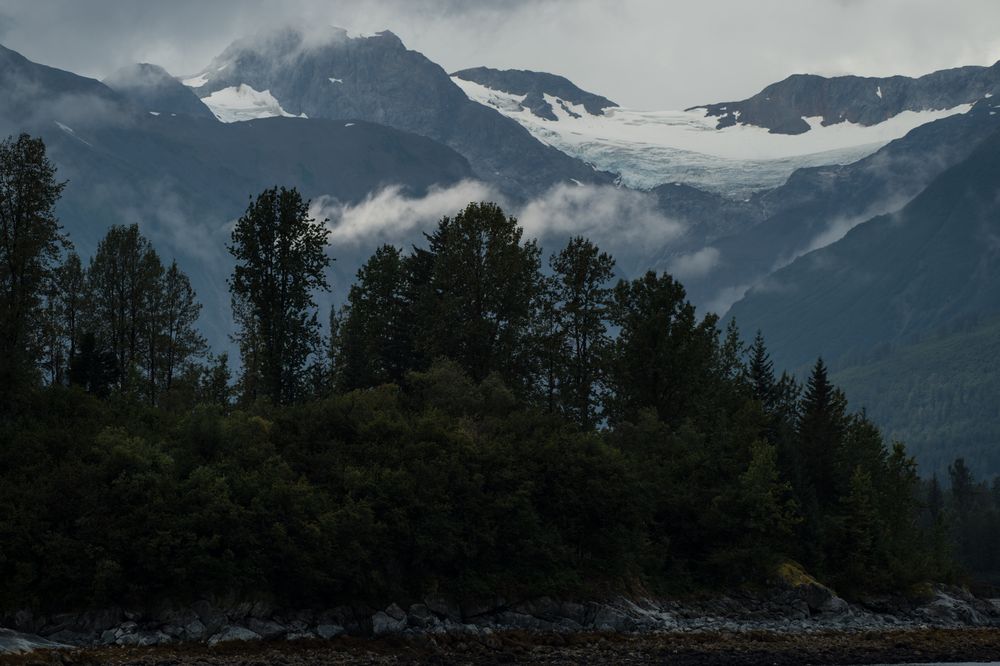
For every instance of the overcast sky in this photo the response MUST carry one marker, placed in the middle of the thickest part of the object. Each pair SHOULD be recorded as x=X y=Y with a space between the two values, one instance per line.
x=640 y=53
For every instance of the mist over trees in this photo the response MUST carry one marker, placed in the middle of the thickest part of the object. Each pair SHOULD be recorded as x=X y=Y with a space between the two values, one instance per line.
x=468 y=424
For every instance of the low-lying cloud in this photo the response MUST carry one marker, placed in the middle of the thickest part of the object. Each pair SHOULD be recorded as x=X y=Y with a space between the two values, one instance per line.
x=694 y=264
x=392 y=215
x=618 y=220
x=622 y=222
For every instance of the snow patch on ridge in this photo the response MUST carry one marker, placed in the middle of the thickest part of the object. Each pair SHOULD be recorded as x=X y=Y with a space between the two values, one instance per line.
x=650 y=148
x=237 y=103
x=197 y=81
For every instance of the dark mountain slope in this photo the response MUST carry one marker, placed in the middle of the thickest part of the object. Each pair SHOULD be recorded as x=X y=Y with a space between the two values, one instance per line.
x=818 y=205
x=780 y=107
x=534 y=86
x=152 y=89
x=894 y=278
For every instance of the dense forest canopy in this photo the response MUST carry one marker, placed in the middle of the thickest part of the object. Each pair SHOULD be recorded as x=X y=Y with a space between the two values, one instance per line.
x=468 y=424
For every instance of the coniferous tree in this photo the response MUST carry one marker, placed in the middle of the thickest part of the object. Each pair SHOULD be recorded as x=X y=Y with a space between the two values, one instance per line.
x=821 y=427
x=31 y=242
x=582 y=273
x=761 y=374
x=281 y=260
x=483 y=295
x=375 y=348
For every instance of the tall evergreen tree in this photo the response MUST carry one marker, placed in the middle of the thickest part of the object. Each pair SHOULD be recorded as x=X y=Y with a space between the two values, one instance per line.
x=761 y=374
x=821 y=427
x=483 y=295
x=281 y=260
x=375 y=345
x=582 y=273
x=31 y=242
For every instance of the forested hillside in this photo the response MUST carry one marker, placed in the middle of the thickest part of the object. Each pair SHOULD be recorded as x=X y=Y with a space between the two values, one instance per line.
x=909 y=389
x=471 y=426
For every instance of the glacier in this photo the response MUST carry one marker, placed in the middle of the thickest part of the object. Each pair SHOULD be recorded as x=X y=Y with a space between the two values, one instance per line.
x=650 y=148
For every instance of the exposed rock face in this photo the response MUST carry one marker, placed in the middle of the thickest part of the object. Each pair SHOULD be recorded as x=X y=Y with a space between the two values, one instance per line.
x=534 y=86
x=376 y=78
x=780 y=107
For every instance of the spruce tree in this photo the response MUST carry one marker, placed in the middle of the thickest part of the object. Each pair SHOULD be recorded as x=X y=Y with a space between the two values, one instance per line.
x=761 y=374
x=821 y=428
x=281 y=260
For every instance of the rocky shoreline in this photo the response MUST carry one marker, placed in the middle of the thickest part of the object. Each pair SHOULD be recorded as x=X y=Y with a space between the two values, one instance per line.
x=804 y=617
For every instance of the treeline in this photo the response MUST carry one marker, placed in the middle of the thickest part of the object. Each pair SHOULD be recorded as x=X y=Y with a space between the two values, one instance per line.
x=469 y=424
x=968 y=511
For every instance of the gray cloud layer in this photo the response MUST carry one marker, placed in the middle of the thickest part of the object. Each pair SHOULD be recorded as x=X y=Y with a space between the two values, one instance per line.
x=641 y=53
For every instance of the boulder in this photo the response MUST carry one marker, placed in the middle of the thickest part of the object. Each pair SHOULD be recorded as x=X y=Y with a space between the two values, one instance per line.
x=213 y=618
x=384 y=623
x=268 y=629
x=949 y=608
x=420 y=617
x=328 y=631
x=195 y=630
x=609 y=618
x=232 y=633
x=818 y=597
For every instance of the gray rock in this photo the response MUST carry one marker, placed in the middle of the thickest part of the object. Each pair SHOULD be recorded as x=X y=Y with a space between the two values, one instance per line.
x=213 y=618
x=268 y=629
x=607 y=618
x=233 y=633
x=395 y=612
x=195 y=630
x=950 y=609
x=172 y=630
x=383 y=623
x=421 y=617
x=328 y=631
x=834 y=606
x=125 y=628
x=299 y=636
x=144 y=639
